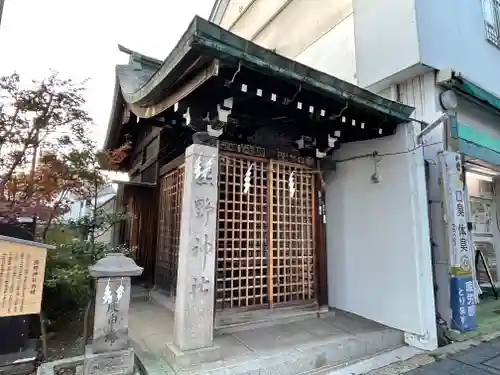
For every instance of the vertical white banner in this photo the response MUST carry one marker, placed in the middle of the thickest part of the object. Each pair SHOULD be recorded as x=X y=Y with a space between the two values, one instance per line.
x=455 y=205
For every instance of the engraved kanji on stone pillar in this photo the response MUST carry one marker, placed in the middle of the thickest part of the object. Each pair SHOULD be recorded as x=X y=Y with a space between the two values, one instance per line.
x=194 y=310
x=110 y=352
x=112 y=274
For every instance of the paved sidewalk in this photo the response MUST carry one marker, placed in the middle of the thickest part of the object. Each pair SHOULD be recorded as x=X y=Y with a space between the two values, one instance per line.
x=483 y=359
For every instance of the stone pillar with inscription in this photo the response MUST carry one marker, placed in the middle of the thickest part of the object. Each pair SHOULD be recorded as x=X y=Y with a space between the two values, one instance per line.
x=110 y=352
x=194 y=306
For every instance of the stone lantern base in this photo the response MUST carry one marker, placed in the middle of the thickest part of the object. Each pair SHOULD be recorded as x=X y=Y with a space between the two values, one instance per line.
x=112 y=363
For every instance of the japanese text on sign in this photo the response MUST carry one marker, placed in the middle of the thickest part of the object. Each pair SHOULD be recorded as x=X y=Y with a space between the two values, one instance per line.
x=463 y=303
x=22 y=269
x=459 y=248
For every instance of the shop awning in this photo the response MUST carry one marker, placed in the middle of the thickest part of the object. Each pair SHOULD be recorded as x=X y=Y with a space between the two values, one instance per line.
x=457 y=82
x=475 y=143
x=470 y=140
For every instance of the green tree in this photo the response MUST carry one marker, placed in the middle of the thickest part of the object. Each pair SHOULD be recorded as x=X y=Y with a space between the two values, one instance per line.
x=42 y=126
x=47 y=161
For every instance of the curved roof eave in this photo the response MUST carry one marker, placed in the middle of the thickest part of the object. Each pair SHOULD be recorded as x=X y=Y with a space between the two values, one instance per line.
x=205 y=38
x=115 y=116
x=143 y=95
x=145 y=82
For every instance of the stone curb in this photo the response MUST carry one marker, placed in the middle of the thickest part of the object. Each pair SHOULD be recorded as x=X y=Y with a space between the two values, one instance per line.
x=420 y=360
x=49 y=368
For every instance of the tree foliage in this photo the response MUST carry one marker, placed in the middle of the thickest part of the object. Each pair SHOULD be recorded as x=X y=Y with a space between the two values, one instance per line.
x=47 y=157
x=67 y=280
x=48 y=161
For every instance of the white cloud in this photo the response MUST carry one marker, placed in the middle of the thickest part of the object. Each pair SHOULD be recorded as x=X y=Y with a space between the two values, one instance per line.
x=79 y=39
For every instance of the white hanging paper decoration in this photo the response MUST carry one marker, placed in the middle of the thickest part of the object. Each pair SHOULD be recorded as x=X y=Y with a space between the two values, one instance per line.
x=208 y=168
x=107 y=297
x=198 y=168
x=120 y=291
x=291 y=184
x=248 y=177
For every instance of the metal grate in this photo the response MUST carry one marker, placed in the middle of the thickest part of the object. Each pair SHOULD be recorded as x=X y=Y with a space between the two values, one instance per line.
x=247 y=267
x=292 y=235
x=169 y=225
x=491 y=14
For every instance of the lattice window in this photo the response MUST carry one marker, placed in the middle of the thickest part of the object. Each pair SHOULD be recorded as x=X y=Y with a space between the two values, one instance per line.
x=491 y=13
x=169 y=226
x=242 y=241
x=292 y=235
x=265 y=235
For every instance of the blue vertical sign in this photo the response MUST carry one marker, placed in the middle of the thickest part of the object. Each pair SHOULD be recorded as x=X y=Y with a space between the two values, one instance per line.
x=455 y=204
x=463 y=304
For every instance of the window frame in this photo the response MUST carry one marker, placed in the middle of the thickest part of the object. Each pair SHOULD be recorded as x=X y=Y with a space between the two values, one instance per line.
x=492 y=30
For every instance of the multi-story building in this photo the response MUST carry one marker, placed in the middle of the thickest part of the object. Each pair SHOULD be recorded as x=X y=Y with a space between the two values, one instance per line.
x=374 y=45
x=105 y=200
x=441 y=57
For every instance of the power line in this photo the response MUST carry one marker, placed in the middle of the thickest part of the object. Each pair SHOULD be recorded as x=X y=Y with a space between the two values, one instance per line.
x=376 y=154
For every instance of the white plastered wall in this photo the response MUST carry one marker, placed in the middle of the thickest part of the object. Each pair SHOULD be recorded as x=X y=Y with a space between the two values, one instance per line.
x=378 y=240
x=379 y=264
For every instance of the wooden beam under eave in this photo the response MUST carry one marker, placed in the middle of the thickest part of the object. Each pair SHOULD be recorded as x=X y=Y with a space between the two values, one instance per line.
x=177 y=95
x=134 y=183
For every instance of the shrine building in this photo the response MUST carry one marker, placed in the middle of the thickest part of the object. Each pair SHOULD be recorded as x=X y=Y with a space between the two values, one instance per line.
x=274 y=206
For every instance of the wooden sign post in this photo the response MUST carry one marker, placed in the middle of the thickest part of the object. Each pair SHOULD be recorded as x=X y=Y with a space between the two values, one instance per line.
x=22 y=271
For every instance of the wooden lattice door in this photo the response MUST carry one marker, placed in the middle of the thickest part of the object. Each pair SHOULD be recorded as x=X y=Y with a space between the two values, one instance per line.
x=266 y=248
x=292 y=234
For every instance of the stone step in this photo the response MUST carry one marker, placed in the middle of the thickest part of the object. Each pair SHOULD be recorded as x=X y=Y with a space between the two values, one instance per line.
x=327 y=370
x=290 y=348
x=281 y=316
x=315 y=358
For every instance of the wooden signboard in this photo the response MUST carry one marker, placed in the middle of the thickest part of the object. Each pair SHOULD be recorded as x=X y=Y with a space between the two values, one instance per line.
x=22 y=271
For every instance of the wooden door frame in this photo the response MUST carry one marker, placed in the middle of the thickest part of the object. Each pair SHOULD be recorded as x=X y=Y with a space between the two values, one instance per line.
x=320 y=255
x=165 y=171
x=320 y=248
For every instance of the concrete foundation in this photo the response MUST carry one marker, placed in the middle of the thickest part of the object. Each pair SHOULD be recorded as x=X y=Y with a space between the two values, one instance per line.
x=292 y=348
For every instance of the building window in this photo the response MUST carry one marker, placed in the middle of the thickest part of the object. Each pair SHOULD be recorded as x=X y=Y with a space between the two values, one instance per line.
x=491 y=12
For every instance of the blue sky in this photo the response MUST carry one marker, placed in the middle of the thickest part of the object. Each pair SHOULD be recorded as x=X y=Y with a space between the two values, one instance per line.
x=79 y=39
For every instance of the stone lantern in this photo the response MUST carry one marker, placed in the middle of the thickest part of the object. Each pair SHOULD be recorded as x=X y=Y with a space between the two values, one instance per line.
x=110 y=352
